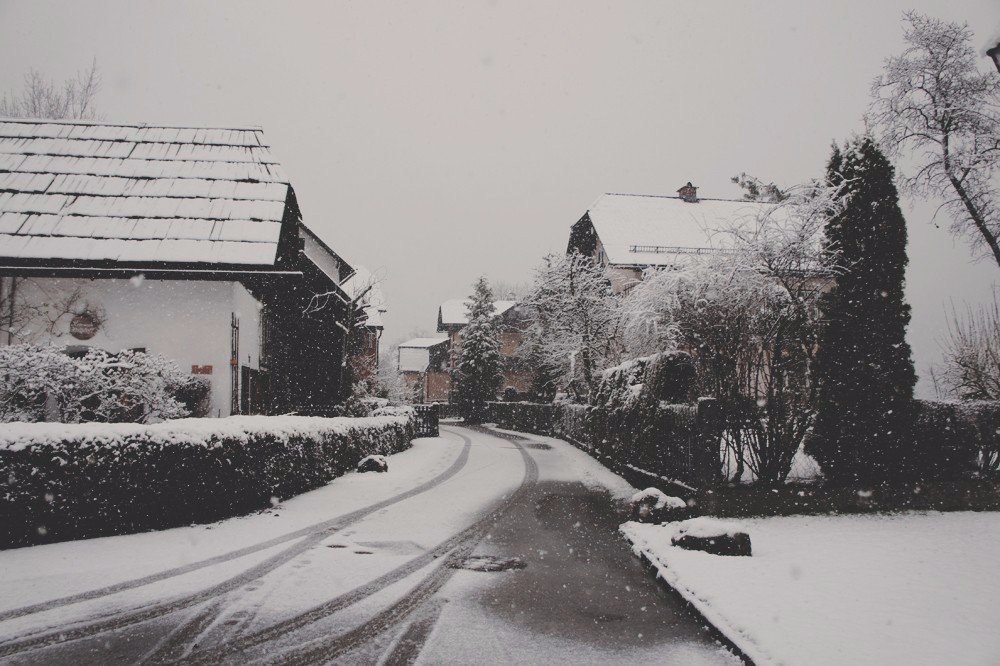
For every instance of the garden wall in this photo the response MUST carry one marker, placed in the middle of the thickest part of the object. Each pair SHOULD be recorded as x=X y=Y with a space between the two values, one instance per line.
x=68 y=481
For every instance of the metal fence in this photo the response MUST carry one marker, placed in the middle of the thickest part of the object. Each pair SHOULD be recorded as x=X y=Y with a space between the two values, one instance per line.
x=428 y=417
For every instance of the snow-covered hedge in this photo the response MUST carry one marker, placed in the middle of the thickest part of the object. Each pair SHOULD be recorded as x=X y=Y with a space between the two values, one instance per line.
x=652 y=438
x=78 y=480
x=45 y=384
x=665 y=377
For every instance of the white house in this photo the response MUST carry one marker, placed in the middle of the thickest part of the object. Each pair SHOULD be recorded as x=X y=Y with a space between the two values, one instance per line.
x=423 y=365
x=181 y=241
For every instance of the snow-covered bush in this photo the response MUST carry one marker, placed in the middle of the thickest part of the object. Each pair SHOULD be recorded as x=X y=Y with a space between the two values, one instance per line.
x=79 y=480
x=39 y=384
x=373 y=463
x=664 y=377
x=653 y=505
x=45 y=384
x=712 y=535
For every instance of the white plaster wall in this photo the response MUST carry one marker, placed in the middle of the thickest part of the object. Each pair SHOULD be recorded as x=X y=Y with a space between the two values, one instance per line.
x=413 y=359
x=186 y=321
x=247 y=308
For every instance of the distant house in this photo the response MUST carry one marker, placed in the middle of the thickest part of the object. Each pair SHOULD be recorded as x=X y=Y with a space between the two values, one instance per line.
x=453 y=316
x=629 y=233
x=363 y=287
x=181 y=241
x=423 y=365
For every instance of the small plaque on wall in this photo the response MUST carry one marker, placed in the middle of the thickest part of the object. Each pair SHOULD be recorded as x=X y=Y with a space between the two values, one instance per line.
x=83 y=326
x=201 y=369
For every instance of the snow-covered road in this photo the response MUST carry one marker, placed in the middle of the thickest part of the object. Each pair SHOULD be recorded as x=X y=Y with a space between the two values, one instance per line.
x=371 y=568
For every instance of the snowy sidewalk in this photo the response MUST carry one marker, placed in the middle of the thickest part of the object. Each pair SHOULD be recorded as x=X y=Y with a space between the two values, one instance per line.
x=903 y=589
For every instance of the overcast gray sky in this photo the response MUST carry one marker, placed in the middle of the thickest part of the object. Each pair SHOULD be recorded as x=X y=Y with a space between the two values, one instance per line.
x=439 y=141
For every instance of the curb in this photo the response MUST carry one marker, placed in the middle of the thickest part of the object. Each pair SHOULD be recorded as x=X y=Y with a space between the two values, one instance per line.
x=713 y=630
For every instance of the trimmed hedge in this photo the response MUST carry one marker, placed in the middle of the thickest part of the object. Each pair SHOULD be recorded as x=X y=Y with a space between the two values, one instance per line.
x=953 y=440
x=69 y=481
x=658 y=440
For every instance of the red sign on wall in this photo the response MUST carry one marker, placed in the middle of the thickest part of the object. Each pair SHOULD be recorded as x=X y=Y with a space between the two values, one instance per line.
x=201 y=369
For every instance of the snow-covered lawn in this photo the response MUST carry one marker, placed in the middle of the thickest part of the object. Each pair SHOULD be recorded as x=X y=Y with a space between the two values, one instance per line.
x=901 y=589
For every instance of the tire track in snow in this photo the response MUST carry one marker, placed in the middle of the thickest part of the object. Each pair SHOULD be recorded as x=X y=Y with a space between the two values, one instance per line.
x=451 y=552
x=310 y=536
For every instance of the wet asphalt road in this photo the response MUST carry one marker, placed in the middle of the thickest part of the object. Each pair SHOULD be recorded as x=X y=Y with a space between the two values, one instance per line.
x=568 y=589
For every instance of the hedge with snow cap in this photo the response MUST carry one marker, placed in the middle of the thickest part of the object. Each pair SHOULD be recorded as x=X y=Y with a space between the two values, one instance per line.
x=67 y=481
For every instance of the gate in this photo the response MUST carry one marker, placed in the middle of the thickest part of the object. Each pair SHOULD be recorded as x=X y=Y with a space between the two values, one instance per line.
x=427 y=420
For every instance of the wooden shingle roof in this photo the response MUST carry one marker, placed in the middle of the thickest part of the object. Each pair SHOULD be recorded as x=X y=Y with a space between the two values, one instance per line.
x=105 y=192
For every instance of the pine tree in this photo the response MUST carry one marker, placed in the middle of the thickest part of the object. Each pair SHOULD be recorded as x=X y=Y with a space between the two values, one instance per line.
x=479 y=375
x=865 y=373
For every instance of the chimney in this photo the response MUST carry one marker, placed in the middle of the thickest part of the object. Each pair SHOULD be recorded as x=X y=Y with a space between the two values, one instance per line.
x=689 y=193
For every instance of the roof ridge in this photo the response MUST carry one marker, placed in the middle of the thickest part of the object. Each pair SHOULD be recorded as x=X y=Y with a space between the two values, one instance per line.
x=669 y=196
x=74 y=121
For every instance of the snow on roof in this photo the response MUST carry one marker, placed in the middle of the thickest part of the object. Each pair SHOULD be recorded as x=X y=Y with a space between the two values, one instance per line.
x=138 y=193
x=455 y=312
x=651 y=230
x=992 y=41
x=423 y=343
x=374 y=299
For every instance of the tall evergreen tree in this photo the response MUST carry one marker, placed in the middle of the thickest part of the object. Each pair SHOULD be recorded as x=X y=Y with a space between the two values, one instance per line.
x=478 y=373
x=866 y=377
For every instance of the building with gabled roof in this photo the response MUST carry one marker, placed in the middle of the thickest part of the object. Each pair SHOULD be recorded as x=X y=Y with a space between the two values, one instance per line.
x=629 y=233
x=423 y=365
x=453 y=316
x=363 y=287
x=184 y=241
x=454 y=313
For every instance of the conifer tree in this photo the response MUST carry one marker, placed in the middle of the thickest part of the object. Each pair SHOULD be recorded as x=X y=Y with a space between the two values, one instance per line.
x=478 y=374
x=866 y=376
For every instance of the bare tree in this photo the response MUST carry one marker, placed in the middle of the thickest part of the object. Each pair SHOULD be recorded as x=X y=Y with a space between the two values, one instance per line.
x=44 y=98
x=971 y=369
x=935 y=104
x=31 y=309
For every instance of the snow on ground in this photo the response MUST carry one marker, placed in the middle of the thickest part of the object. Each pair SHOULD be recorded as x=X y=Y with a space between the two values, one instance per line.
x=39 y=573
x=901 y=589
x=580 y=467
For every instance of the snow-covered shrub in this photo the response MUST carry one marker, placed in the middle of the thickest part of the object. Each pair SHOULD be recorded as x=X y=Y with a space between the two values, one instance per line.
x=45 y=384
x=621 y=386
x=712 y=535
x=373 y=463
x=653 y=505
x=671 y=377
x=666 y=377
x=79 y=480
x=574 y=423
x=195 y=395
x=39 y=384
x=358 y=403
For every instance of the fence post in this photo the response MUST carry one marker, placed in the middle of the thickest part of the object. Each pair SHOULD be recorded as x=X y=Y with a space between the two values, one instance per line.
x=707 y=441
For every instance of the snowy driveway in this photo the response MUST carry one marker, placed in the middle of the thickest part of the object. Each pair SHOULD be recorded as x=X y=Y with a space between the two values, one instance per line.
x=371 y=568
